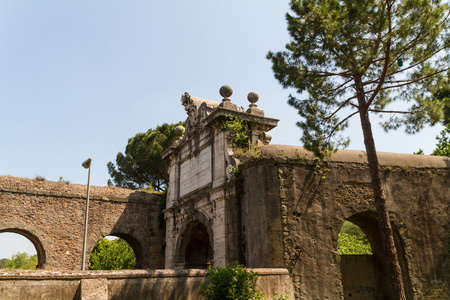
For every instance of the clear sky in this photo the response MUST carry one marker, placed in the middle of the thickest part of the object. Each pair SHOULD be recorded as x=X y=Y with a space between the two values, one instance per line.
x=79 y=78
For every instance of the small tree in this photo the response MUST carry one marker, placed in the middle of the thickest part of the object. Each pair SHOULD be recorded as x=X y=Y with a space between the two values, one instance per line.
x=21 y=260
x=141 y=166
x=112 y=255
x=355 y=57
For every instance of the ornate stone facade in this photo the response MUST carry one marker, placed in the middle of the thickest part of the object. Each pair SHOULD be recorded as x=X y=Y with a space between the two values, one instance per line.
x=202 y=215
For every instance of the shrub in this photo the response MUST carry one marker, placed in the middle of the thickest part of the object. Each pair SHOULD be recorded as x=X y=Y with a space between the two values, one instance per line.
x=39 y=178
x=237 y=283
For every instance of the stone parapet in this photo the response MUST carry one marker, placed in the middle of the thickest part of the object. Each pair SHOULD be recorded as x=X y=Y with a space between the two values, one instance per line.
x=124 y=284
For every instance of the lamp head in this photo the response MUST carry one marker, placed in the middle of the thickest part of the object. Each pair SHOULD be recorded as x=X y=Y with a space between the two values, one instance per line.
x=87 y=163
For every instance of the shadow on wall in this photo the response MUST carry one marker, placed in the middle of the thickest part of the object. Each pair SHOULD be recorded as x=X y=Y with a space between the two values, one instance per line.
x=187 y=288
x=138 y=226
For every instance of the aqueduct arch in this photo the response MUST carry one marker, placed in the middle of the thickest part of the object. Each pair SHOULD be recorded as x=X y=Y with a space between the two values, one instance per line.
x=364 y=276
x=35 y=240
x=135 y=245
x=51 y=216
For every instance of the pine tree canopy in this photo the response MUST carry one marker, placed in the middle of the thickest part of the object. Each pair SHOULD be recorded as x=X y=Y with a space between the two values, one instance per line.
x=141 y=167
x=385 y=51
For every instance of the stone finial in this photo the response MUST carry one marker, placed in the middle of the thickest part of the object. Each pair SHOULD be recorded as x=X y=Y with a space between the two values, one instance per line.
x=226 y=91
x=253 y=97
x=179 y=130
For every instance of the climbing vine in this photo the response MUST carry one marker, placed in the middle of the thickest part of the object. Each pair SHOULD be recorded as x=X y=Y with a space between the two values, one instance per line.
x=240 y=130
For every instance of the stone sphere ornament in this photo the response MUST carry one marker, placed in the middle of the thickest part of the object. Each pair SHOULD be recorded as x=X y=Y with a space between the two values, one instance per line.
x=226 y=91
x=253 y=97
x=179 y=130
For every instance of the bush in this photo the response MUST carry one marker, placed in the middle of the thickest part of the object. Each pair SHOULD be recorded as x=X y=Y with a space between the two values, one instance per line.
x=237 y=283
x=21 y=260
x=112 y=255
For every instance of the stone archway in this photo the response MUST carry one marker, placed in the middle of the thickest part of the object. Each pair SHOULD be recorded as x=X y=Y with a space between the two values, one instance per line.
x=198 y=248
x=364 y=276
x=135 y=245
x=195 y=244
x=34 y=240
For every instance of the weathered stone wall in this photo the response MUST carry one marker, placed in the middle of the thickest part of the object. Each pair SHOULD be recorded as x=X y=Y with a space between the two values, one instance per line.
x=292 y=217
x=126 y=284
x=52 y=216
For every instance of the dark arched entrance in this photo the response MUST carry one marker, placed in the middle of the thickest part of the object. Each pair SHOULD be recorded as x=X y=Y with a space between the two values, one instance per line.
x=198 y=252
x=195 y=248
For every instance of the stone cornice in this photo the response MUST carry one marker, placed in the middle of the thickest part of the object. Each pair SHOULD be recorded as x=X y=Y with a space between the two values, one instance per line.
x=47 y=193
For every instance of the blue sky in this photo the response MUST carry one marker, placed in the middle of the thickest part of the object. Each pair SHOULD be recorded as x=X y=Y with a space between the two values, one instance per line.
x=79 y=78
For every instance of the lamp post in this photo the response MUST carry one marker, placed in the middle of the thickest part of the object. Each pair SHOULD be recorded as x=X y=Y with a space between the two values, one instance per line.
x=87 y=165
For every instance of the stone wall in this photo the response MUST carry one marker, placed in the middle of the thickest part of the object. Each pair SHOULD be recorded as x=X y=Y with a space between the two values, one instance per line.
x=129 y=284
x=292 y=214
x=52 y=214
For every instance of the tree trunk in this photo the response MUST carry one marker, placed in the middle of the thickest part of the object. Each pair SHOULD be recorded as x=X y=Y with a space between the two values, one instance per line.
x=387 y=237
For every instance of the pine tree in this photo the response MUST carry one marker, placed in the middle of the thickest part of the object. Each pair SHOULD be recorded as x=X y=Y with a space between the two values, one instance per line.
x=356 y=57
x=141 y=167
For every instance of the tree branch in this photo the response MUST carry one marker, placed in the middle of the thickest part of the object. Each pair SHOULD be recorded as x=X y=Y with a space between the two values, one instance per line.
x=394 y=111
x=338 y=109
x=340 y=123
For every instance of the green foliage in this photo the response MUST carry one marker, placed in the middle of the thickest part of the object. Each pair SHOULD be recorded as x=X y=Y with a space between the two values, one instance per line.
x=353 y=241
x=419 y=152
x=141 y=167
x=3 y=262
x=112 y=255
x=233 y=283
x=254 y=152
x=343 y=56
x=21 y=260
x=319 y=169
x=442 y=94
x=280 y=296
x=239 y=129
x=443 y=145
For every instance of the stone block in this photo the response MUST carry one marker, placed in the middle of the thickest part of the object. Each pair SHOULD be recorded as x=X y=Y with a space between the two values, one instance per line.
x=94 y=289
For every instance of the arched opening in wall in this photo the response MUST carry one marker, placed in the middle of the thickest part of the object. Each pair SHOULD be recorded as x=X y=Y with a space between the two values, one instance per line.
x=20 y=250
x=353 y=241
x=114 y=253
x=362 y=265
x=196 y=249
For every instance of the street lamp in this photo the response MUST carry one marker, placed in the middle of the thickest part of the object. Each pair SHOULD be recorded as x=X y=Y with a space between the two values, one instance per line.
x=87 y=165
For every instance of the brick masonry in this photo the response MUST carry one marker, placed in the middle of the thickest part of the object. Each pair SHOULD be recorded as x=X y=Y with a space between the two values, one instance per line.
x=52 y=214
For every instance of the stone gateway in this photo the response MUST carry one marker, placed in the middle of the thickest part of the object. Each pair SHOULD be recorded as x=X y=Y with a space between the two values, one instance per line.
x=274 y=208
